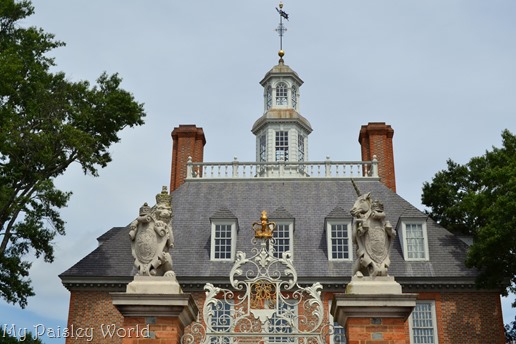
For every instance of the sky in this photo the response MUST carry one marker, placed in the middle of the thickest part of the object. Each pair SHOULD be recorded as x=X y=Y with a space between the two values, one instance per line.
x=442 y=73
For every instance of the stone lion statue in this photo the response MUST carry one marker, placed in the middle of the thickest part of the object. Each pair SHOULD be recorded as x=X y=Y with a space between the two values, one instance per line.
x=152 y=237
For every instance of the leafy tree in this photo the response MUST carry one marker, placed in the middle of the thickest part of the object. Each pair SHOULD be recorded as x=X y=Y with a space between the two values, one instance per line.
x=510 y=332
x=479 y=199
x=46 y=123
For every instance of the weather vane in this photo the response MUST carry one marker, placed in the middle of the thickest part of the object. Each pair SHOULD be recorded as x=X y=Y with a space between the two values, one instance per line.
x=281 y=29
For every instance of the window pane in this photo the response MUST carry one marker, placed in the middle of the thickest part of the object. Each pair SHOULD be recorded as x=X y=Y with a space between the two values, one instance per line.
x=281 y=94
x=222 y=241
x=422 y=323
x=415 y=241
x=269 y=97
x=294 y=97
x=339 y=241
x=301 y=147
x=263 y=148
x=281 y=145
x=281 y=239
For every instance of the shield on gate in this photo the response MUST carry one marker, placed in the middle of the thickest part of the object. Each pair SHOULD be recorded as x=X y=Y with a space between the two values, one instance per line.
x=376 y=244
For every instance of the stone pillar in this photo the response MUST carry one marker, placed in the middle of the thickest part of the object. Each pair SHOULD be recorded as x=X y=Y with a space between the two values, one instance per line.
x=376 y=139
x=373 y=310
x=154 y=310
x=187 y=140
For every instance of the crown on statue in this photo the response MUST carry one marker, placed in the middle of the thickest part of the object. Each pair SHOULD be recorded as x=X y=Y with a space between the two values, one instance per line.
x=164 y=197
x=145 y=209
x=264 y=228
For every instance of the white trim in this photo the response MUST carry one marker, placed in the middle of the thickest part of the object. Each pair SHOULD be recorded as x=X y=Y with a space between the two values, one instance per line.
x=434 y=322
x=347 y=223
x=232 y=223
x=403 y=238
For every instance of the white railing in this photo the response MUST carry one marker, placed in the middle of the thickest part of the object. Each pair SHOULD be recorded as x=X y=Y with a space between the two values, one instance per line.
x=282 y=169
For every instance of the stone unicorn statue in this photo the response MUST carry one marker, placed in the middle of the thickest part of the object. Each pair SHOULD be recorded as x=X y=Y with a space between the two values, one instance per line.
x=372 y=235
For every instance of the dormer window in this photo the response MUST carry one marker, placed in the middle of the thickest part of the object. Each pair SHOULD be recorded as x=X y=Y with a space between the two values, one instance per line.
x=281 y=93
x=269 y=97
x=283 y=238
x=339 y=239
x=414 y=240
x=223 y=240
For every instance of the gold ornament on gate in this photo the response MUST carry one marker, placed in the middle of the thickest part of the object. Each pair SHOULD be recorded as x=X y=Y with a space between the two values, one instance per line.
x=263 y=229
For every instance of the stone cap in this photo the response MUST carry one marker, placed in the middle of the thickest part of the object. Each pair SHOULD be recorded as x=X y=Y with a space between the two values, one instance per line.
x=181 y=306
x=346 y=306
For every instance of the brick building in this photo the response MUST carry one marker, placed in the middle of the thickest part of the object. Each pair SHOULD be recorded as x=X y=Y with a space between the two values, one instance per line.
x=214 y=205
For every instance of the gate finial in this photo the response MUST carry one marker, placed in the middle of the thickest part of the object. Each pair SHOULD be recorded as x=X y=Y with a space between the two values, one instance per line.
x=263 y=229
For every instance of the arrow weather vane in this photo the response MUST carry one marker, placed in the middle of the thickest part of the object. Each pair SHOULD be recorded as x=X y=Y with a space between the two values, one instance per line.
x=281 y=28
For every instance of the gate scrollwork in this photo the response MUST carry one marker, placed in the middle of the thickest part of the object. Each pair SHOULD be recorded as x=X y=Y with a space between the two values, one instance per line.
x=265 y=304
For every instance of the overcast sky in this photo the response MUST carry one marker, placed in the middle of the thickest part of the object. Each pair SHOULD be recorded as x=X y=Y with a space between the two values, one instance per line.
x=442 y=73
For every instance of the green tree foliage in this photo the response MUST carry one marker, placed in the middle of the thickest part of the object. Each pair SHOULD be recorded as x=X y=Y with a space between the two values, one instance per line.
x=479 y=199
x=510 y=332
x=46 y=123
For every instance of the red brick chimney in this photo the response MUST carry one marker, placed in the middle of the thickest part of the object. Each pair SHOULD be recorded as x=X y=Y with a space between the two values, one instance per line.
x=187 y=140
x=376 y=139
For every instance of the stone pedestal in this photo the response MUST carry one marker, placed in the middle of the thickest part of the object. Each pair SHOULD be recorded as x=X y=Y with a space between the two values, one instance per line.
x=154 y=310
x=374 y=309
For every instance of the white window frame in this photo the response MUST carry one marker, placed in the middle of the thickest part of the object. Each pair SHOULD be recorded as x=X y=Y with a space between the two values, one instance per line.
x=329 y=224
x=281 y=94
x=300 y=147
x=335 y=326
x=290 y=225
x=227 y=222
x=403 y=239
x=281 y=145
x=434 y=321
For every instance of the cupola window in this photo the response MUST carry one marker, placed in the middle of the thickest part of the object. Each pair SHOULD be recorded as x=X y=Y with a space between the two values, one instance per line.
x=294 y=97
x=269 y=97
x=263 y=149
x=301 y=147
x=281 y=94
x=282 y=146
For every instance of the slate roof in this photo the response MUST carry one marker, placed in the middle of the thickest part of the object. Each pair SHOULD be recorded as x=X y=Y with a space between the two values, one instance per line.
x=308 y=202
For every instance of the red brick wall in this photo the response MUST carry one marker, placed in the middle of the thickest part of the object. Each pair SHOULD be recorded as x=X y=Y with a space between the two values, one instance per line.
x=376 y=139
x=472 y=317
x=187 y=140
x=92 y=310
x=462 y=317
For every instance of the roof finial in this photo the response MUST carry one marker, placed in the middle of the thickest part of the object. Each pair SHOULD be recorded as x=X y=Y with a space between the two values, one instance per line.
x=281 y=29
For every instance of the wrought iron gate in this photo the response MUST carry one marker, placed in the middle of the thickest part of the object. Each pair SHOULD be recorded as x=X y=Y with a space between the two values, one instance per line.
x=265 y=304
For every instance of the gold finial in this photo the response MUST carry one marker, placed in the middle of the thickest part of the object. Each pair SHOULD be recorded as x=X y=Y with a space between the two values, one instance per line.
x=280 y=5
x=263 y=229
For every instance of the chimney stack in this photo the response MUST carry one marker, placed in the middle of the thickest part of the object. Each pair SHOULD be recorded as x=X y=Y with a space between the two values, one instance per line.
x=376 y=139
x=187 y=140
